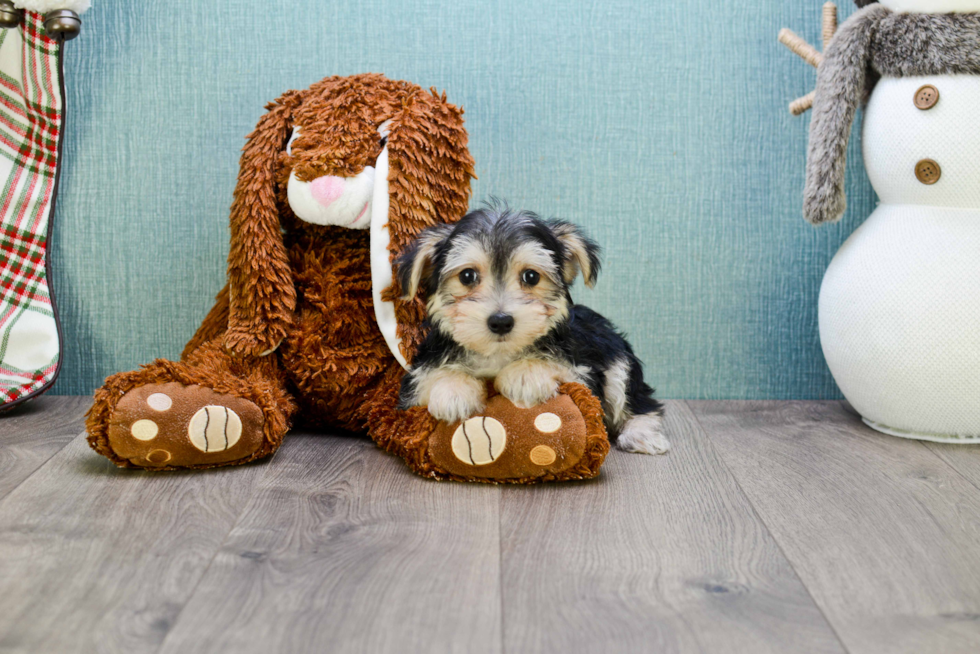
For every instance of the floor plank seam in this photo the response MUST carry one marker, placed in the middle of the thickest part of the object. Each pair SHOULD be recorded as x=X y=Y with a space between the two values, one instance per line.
x=950 y=465
x=766 y=479
x=772 y=534
x=217 y=551
x=929 y=446
x=500 y=567
x=40 y=467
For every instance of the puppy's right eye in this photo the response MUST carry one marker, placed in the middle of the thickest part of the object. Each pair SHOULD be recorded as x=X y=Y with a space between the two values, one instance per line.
x=468 y=277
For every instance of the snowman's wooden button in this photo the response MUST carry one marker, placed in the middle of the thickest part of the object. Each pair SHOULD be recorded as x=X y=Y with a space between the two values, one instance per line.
x=928 y=172
x=926 y=97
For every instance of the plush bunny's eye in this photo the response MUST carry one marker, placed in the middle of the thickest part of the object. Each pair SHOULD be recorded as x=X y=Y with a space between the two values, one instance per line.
x=530 y=277
x=468 y=277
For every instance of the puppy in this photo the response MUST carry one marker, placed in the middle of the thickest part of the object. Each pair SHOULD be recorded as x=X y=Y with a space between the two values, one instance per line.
x=497 y=284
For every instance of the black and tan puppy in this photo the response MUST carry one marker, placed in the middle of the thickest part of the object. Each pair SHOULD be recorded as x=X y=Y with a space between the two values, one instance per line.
x=497 y=284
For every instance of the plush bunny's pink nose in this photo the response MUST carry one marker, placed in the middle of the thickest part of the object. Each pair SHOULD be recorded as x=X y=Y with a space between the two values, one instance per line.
x=327 y=189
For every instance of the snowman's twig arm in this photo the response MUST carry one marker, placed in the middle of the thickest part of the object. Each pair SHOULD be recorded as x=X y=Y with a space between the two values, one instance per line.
x=840 y=87
x=829 y=23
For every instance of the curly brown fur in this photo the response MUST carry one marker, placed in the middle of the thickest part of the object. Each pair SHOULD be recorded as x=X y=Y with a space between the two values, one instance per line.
x=305 y=290
x=428 y=181
x=875 y=42
x=261 y=382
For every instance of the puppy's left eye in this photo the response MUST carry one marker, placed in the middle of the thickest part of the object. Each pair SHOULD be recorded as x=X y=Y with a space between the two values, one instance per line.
x=468 y=277
x=530 y=277
x=384 y=141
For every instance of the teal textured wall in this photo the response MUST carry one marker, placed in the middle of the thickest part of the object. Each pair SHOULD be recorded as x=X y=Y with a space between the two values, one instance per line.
x=659 y=126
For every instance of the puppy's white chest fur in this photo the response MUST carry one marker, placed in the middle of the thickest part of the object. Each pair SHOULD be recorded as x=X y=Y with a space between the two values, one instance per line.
x=487 y=366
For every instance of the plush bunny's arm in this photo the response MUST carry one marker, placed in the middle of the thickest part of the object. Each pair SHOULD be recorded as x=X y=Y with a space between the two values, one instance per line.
x=841 y=81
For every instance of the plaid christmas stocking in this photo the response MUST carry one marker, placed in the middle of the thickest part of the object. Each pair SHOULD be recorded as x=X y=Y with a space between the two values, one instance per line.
x=31 y=104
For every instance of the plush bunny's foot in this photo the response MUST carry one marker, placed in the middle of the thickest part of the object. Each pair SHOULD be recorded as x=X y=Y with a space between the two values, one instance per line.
x=167 y=426
x=563 y=438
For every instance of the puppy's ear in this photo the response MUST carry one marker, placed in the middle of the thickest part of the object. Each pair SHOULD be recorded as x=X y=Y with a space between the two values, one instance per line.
x=417 y=259
x=581 y=253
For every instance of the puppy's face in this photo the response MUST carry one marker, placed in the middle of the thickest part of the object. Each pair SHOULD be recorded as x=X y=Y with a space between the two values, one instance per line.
x=496 y=296
x=497 y=281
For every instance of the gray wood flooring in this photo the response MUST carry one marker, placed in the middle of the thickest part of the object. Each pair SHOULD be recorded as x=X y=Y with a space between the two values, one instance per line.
x=770 y=527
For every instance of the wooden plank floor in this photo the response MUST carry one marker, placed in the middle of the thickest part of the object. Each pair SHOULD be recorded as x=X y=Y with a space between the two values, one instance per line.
x=770 y=527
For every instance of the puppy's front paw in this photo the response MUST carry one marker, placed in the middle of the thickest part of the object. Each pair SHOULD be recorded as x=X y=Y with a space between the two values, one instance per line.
x=528 y=383
x=644 y=435
x=456 y=397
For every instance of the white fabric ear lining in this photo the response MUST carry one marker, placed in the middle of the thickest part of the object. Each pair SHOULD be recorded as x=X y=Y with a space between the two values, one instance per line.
x=381 y=273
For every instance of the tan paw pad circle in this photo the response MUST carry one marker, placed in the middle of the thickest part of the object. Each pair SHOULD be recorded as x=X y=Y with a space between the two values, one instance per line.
x=479 y=441
x=214 y=428
x=542 y=455
x=144 y=430
x=159 y=402
x=547 y=423
x=159 y=457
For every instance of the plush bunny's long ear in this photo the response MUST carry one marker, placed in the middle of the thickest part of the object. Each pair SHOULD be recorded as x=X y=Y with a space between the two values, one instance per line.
x=841 y=81
x=581 y=253
x=262 y=289
x=422 y=180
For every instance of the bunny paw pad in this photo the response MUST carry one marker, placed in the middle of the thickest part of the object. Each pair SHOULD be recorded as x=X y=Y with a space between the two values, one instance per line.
x=506 y=442
x=172 y=425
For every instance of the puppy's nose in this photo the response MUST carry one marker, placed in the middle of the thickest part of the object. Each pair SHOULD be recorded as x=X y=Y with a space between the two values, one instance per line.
x=327 y=189
x=500 y=323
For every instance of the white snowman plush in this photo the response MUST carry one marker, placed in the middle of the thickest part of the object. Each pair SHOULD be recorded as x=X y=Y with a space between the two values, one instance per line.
x=899 y=309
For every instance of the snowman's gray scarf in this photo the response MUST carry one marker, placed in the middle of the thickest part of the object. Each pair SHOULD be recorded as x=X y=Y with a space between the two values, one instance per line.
x=875 y=42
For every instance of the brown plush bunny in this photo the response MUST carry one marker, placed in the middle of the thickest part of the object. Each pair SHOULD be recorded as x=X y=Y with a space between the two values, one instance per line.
x=335 y=182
